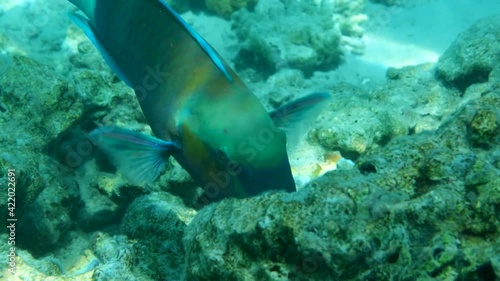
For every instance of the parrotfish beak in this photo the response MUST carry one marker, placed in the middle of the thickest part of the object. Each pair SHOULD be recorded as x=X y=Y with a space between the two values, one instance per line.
x=243 y=181
x=254 y=181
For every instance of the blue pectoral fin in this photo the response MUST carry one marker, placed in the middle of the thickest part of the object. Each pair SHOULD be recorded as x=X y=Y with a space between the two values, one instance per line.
x=295 y=118
x=87 y=28
x=200 y=40
x=139 y=157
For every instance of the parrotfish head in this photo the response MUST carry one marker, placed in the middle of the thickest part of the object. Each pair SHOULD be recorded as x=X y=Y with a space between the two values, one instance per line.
x=232 y=147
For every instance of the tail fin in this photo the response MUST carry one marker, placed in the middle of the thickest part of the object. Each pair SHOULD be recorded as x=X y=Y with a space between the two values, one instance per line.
x=86 y=6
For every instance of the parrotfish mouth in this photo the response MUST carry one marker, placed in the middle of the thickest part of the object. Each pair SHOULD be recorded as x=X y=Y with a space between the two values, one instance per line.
x=242 y=181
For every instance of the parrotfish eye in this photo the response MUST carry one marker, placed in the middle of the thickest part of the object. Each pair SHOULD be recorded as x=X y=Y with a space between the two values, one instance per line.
x=222 y=157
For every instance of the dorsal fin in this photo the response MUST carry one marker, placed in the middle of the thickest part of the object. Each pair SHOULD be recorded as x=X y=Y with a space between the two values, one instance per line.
x=198 y=39
x=87 y=28
x=86 y=6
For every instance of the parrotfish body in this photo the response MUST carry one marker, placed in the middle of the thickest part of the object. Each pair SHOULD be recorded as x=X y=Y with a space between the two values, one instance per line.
x=200 y=111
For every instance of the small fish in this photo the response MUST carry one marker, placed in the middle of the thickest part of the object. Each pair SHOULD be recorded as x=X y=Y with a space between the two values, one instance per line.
x=200 y=111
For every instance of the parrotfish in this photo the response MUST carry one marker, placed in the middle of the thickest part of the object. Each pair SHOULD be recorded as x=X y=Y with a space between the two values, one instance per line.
x=199 y=110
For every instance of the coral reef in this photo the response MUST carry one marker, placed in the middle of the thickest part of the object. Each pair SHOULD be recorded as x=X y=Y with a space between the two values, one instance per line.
x=408 y=217
x=315 y=43
x=158 y=221
x=49 y=106
x=421 y=203
x=226 y=7
x=472 y=56
x=411 y=101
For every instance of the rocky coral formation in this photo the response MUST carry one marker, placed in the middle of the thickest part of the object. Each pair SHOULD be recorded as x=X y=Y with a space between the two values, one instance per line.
x=226 y=7
x=473 y=55
x=315 y=43
x=49 y=106
x=413 y=211
x=411 y=101
x=24 y=24
x=158 y=221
